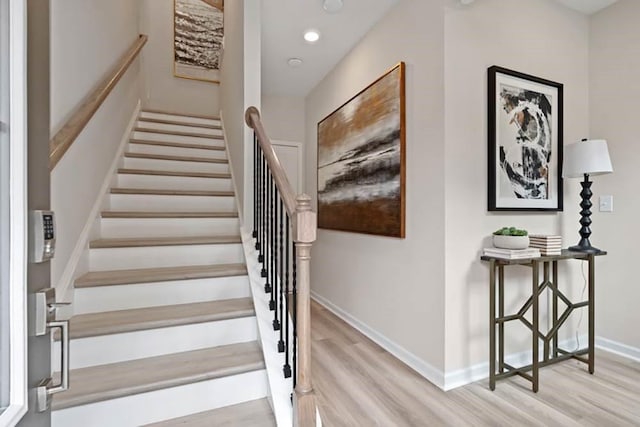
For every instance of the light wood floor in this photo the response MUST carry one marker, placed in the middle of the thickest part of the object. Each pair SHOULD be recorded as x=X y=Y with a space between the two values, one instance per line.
x=357 y=383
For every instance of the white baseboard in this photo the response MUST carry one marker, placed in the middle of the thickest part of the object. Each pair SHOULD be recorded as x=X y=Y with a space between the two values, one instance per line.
x=64 y=286
x=480 y=371
x=454 y=379
x=233 y=178
x=620 y=349
x=429 y=372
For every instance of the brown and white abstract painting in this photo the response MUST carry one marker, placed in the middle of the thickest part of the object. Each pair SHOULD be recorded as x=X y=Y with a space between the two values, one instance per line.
x=198 y=32
x=361 y=161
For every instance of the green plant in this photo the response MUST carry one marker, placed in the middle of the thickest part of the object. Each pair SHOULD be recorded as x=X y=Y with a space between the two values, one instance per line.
x=510 y=231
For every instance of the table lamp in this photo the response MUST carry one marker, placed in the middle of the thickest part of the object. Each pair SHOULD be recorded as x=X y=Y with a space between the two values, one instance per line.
x=584 y=159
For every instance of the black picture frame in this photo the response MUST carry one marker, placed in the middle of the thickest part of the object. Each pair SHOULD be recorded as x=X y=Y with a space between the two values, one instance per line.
x=525 y=140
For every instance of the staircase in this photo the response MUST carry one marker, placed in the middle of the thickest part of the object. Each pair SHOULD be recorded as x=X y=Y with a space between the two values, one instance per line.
x=164 y=331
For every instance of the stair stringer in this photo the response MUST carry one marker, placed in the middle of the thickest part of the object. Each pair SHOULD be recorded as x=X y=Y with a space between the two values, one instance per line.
x=281 y=388
x=78 y=262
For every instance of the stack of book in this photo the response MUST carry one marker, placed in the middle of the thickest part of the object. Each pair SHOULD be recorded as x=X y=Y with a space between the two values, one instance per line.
x=548 y=245
x=511 y=253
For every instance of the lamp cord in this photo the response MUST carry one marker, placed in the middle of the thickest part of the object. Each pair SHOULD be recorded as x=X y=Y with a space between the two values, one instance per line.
x=584 y=288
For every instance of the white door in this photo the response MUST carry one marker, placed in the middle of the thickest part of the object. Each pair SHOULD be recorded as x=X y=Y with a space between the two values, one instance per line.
x=13 y=332
x=291 y=157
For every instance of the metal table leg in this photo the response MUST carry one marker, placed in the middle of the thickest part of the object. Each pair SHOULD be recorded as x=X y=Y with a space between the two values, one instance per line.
x=492 y=325
x=534 y=331
x=501 y=315
x=592 y=295
x=554 y=287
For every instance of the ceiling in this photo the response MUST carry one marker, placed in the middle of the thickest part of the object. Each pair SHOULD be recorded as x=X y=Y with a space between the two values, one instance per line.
x=283 y=25
x=587 y=6
x=285 y=21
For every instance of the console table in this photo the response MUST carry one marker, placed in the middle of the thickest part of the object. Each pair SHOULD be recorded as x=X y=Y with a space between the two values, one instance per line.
x=552 y=353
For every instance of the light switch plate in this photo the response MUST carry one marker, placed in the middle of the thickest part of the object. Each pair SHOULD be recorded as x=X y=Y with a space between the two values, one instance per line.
x=606 y=203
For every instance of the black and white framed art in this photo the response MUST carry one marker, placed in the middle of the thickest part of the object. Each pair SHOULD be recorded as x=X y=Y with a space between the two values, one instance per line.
x=525 y=142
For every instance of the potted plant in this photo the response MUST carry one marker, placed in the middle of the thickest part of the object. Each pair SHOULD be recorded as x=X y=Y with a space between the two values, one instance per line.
x=511 y=238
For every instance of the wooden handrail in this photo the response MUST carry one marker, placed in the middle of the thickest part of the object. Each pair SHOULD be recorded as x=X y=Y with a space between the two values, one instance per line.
x=304 y=221
x=65 y=137
x=252 y=118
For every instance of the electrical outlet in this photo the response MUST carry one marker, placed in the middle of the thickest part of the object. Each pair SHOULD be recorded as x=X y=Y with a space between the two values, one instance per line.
x=606 y=203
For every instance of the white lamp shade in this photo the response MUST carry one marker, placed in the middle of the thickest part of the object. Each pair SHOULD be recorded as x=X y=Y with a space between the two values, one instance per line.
x=586 y=157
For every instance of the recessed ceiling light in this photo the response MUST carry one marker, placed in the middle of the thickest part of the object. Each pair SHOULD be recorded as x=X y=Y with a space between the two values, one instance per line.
x=294 y=62
x=332 y=6
x=312 y=36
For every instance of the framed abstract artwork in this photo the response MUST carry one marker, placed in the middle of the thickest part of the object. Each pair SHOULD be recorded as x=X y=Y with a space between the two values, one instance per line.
x=198 y=29
x=361 y=160
x=525 y=142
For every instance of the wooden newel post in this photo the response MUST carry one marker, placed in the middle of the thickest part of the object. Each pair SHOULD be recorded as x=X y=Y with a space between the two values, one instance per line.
x=304 y=406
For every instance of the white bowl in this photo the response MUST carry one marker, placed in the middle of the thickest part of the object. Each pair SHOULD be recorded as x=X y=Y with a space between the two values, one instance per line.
x=510 y=242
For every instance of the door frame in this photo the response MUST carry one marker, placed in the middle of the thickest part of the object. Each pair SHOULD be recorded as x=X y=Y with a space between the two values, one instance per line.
x=300 y=147
x=18 y=214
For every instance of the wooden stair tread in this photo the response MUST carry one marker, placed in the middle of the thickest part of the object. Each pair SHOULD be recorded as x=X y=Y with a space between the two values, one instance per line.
x=176 y=144
x=178 y=133
x=163 y=274
x=175 y=158
x=136 y=242
x=104 y=382
x=127 y=171
x=138 y=214
x=140 y=319
x=154 y=192
x=171 y=113
x=255 y=413
x=179 y=123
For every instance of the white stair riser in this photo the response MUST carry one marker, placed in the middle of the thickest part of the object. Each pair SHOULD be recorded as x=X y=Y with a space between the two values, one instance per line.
x=115 y=348
x=173 y=118
x=152 y=136
x=146 y=408
x=164 y=256
x=170 y=165
x=177 y=151
x=139 y=295
x=168 y=227
x=161 y=182
x=158 y=203
x=179 y=128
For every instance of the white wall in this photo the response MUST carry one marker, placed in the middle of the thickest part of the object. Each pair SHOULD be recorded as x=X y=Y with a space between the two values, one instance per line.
x=88 y=37
x=232 y=91
x=284 y=117
x=614 y=89
x=435 y=277
x=240 y=74
x=554 y=47
x=162 y=90
x=392 y=286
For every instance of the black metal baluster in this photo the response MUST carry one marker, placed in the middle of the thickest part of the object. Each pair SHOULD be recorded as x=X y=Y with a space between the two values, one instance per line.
x=295 y=316
x=281 y=270
x=263 y=240
x=272 y=301
x=274 y=259
x=286 y=369
x=260 y=204
x=267 y=249
x=255 y=186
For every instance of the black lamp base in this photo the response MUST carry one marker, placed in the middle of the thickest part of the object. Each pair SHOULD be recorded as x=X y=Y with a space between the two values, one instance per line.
x=584 y=245
x=585 y=248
